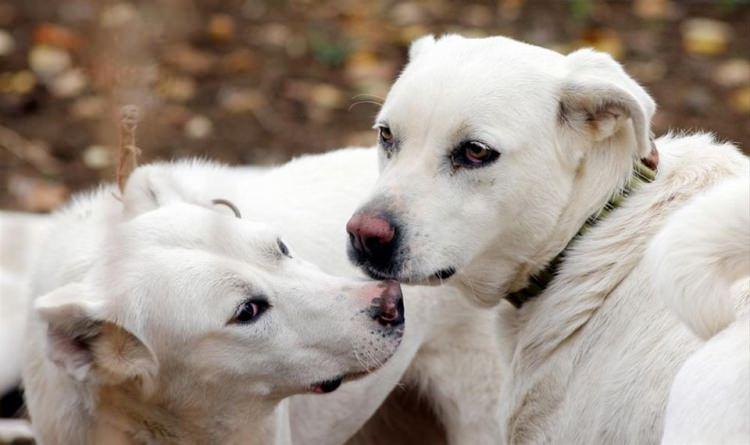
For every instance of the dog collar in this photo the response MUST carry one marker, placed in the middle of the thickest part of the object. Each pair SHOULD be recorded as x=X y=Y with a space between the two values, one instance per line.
x=644 y=171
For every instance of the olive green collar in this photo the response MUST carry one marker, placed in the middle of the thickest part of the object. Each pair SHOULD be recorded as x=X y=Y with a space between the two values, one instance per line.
x=644 y=171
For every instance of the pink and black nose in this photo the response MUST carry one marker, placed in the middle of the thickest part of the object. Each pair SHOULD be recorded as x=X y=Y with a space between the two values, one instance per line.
x=373 y=239
x=388 y=308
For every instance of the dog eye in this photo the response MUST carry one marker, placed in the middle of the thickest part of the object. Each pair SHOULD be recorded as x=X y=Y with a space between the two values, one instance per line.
x=386 y=139
x=249 y=311
x=473 y=154
x=283 y=248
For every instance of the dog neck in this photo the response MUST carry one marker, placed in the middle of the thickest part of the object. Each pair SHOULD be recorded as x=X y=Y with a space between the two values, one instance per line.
x=124 y=417
x=579 y=215
x=644 y=171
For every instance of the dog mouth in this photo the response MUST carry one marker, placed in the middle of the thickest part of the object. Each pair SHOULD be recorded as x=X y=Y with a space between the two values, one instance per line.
x=436 y=278
x=327 y=386
x=331 y=385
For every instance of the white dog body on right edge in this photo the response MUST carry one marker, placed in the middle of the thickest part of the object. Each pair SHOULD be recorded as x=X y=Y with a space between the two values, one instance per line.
x=701 y=261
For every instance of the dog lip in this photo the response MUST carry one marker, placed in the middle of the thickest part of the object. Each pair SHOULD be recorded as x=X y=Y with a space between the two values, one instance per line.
x=444 y=274
x=327 y=386
x=434 y=279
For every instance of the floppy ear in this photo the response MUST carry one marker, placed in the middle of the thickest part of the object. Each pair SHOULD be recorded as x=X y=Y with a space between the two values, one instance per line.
x=85 y=344
x=600 y=100
x=420 y=45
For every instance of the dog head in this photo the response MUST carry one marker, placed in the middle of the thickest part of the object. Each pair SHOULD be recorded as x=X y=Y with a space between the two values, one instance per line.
x=183 y=300
x=483 y=145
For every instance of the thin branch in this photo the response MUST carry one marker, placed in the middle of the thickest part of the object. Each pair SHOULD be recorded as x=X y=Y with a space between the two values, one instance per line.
x=129 y=152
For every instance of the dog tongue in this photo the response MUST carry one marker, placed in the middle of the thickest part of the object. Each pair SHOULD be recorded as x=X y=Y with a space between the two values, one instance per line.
x=327 y=386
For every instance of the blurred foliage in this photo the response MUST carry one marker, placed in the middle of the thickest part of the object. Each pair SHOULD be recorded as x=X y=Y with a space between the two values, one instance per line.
x=254 y=81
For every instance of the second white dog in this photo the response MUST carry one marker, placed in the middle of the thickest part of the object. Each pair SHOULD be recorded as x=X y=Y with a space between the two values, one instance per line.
x=171 y=323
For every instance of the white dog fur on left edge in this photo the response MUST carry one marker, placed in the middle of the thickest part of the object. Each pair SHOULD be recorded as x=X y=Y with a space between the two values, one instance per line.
x=180 y=324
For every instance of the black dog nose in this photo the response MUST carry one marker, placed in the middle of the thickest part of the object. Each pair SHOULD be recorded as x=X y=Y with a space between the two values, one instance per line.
x=388 y=308
x=372 y=238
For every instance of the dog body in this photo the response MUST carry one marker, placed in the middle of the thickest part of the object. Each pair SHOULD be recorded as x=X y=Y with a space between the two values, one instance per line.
x=701 y=260
x=597 y=353
x=493 y=155
x=166 y=322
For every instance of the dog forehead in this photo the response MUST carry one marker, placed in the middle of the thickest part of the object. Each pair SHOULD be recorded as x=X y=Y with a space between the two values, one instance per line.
x=476 y=80
x=186 y=229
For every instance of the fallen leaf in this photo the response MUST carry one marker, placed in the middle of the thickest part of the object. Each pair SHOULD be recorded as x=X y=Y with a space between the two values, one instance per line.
x=118 y=15
x=21 y=82
x=407 y=13
x=653 y=9
x=239 y=61
x=603 y=39
x=740 y=100
x=221 y=27
x=98 y=157
x=199 y=127
x=57 y=35
x=733 y=72
x=177 y=88
x=326 y=95
x=90 y=107
x=48 y=61
x=7 y=43
x=238 y=100
x=69 y=84
x=189 y=59
x=705 y=36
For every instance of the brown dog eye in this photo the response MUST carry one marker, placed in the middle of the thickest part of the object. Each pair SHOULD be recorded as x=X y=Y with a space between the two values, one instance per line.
x=249 y=311
x=472 y=154
x=385 y=136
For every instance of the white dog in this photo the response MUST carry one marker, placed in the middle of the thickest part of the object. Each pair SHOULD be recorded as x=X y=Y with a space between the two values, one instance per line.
x=494 y=154
x=163 y=322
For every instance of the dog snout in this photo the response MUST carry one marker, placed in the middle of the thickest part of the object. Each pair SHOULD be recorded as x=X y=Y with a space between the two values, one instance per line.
x=373 y=239
x=388 y=307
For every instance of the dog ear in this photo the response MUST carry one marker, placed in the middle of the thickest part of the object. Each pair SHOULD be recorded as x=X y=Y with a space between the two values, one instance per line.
x=83 y=342
x=420 y=45
x=150 y=187
x=600 y=100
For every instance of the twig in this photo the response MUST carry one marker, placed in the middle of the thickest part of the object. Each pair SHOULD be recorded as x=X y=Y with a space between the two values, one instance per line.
x=129 y=152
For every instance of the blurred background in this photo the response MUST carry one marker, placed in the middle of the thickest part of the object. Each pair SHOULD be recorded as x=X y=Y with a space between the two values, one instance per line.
x=253 y=81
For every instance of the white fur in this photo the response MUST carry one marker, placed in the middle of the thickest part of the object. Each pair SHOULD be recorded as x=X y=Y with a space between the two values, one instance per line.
x=20 y=236
x=592 y=359
x=131 y=338
x=701 y=261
